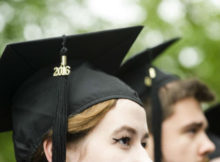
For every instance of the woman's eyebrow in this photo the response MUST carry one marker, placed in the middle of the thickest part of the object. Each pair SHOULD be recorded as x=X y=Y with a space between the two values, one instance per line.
x=125 y=128
x=130 y=130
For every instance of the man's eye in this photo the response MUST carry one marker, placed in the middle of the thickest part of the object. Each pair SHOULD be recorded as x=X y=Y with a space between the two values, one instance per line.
x=123 y=140
x=193 y=130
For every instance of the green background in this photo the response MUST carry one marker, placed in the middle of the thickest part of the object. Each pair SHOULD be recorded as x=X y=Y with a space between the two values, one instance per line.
x=195 y=21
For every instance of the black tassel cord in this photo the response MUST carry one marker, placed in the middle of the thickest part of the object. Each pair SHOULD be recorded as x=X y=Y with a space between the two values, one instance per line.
x=156 y=122
x=157 y=115
x=60 y=125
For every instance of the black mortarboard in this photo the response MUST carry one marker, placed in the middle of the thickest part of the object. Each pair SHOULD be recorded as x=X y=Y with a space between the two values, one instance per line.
x=135 y=70
x=212 y=115
x=146 y=80
x=39 y=101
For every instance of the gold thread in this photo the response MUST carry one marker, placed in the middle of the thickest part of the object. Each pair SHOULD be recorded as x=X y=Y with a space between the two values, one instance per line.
x=148 y=81
x=63 y=60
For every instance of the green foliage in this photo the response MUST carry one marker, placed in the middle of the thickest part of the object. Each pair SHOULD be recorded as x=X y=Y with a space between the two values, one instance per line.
x=198 y=26
x=7 y=151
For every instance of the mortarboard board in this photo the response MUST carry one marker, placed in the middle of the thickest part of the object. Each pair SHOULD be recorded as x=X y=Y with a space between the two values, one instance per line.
x=135 y=70
x=146 y=80
x=35 y=98
x=212 y=115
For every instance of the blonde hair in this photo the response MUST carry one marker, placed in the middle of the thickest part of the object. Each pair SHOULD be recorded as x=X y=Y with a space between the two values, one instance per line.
x=79 y=125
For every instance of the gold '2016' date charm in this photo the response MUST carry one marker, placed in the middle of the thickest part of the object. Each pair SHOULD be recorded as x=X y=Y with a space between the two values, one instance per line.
x=63 y=69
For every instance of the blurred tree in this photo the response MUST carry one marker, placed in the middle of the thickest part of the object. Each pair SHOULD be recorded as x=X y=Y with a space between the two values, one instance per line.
x=196 y=21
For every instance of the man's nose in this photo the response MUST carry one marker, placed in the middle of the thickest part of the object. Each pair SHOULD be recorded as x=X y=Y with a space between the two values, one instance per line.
x=207 y=146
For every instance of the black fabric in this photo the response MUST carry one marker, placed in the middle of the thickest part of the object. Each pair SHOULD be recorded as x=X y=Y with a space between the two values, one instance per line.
x=60 y=121
x=105 y=50
x=135 y=69
x=87 y=87
x=32 y=100
x=146 y=57
x=212 y=115
x=216 y=140
x=157 y=122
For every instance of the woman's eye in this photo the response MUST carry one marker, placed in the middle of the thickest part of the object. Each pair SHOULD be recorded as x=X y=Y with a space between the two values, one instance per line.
x=123 y=140
x=144 y=144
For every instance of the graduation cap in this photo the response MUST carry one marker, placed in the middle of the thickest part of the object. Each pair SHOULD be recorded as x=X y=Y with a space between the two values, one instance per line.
x=34 y=98
x=146 y=80
x=212 y=115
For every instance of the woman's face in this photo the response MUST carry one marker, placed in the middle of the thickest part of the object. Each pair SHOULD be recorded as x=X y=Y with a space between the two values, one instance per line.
x=120 y=136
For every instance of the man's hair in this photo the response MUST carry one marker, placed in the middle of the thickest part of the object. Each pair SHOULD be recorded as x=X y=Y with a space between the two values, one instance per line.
x=175 y=91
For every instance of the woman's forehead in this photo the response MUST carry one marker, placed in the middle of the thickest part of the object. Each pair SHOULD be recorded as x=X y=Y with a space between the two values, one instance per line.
x=125 y=113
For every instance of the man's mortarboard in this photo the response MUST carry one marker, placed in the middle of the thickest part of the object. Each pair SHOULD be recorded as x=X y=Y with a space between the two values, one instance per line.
x=212 y=115
x=39 y=101
x=146 y=80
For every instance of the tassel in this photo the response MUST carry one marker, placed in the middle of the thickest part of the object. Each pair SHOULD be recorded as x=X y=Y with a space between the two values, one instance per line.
x=60 y=123
x=156 y=123
x=156 y=112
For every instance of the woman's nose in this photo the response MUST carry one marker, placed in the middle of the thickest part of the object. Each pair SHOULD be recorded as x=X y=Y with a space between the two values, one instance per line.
x=142 y=156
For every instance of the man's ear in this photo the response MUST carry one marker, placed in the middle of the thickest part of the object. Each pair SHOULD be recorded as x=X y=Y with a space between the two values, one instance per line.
x=47 y=145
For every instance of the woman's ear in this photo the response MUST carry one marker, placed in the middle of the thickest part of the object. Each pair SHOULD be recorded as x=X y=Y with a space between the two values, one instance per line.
x=47 y=144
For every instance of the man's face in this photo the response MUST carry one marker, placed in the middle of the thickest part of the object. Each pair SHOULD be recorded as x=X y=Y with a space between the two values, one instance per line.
x=183 y=134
